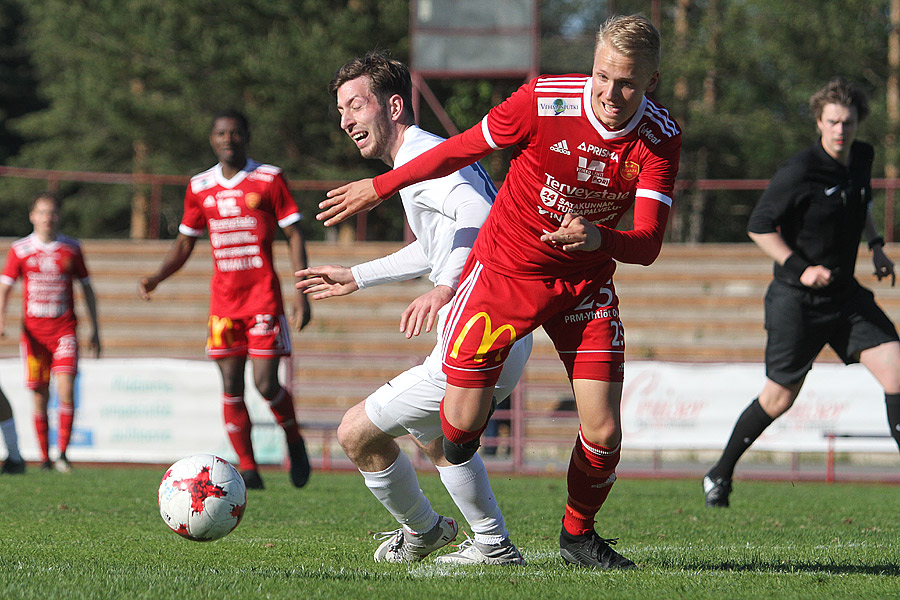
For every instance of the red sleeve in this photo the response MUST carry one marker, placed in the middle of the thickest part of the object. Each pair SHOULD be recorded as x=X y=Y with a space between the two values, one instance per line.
x=447 y=157
x=284 y=204
x=506 y=124
x=655 y=186
x=642 y=244
x=193 y=217
x=11 y=269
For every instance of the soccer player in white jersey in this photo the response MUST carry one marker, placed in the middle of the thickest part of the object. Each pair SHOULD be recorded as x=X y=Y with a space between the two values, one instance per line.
x=587 y=149
x=374 y=95
x=241 y=202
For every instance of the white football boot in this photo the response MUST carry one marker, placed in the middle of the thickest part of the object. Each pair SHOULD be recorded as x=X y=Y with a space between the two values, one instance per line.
x=471 y=552
x=404 y=546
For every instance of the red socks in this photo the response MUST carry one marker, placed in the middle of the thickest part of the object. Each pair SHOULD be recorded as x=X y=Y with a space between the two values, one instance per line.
x=42 y=428
x=459 y=436
x=237 y=426
x=282 y=406
x=590 y=478
x=66 y=414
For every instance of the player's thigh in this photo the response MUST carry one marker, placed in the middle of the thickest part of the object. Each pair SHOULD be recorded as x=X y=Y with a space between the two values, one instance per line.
x=865 y=327
x=883 y=361
x=226 y=337
x=513 y=368
x=268 y=336
x=490 y=312
x=795 y=334
x=408 y=403
x=589 y=336
x=38 y=358
x=65 y=354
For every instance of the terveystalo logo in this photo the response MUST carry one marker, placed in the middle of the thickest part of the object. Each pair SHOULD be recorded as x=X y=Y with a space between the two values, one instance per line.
x=488 y=337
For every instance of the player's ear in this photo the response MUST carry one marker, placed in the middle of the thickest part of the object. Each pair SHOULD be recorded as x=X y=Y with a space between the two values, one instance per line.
x=654 y=81
x=395 y=107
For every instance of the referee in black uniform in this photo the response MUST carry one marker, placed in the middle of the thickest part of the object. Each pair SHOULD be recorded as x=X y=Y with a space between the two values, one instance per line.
x=810 y=220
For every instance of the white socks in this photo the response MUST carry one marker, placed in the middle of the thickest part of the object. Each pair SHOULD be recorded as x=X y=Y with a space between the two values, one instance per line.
x=470 y=489
x=8 y=428
x=397 y=488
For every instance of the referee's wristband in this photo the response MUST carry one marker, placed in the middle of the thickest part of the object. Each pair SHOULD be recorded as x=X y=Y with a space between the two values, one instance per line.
x=796 y=264
x=879 y=241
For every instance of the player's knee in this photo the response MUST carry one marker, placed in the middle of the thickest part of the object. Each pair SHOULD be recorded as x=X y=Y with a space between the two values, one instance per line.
x=457 y=454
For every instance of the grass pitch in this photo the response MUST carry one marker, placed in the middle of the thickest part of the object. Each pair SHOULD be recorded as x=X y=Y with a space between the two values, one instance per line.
x=98 y=534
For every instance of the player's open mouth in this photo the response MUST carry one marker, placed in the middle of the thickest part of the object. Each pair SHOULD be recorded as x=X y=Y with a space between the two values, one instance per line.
x=359 y=136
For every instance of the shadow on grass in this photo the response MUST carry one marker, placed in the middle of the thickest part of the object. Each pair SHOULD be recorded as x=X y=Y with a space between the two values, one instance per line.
x=800 y=567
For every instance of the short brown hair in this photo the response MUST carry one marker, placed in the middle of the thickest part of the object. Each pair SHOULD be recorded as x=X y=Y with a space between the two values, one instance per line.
x=842 y=92
x=386 y=78
x=632 y=35
x=51 y=196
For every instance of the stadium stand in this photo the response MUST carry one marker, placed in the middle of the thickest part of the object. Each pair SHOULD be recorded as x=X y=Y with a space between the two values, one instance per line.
x=696 y=303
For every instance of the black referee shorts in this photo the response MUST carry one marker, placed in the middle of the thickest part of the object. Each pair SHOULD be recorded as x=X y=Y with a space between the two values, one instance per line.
x=799 y=324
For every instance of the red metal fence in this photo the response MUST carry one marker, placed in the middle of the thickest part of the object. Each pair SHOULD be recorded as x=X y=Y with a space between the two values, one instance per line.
x=157 y=182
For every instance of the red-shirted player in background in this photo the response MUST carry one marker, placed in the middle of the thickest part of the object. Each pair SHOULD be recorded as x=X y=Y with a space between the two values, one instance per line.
x=587 y=149
x=48 y=262
x=240 y=202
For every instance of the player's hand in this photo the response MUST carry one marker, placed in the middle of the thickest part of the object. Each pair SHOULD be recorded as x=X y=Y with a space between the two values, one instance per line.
x=147 y=285
x=347 y=200
x=424 y=310
x=817 y=277
x=302 y=313
x=575 y=234
x=95 y=344
x=883 y=265
x=326 y=281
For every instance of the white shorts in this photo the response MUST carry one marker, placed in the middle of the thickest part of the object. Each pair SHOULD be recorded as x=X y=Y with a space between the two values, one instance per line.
x=411 y=401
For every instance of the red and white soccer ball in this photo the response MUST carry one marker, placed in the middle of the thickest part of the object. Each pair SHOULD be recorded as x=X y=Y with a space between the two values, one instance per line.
x=202 y=497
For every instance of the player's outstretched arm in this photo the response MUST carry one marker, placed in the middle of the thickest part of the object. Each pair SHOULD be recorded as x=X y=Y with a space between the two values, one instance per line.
x=5 y=289
x=91 y=300
x=301 y=312
x=424 y=310
x=344 y=202
x=178 y=254
x=326 y=281
x=883 y=265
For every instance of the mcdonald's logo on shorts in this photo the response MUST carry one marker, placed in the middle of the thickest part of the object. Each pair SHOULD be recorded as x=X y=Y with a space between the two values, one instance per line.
x=488 y=337
x=220 y=332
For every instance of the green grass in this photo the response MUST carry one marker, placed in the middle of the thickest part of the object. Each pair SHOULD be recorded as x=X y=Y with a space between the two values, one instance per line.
x=98 y=534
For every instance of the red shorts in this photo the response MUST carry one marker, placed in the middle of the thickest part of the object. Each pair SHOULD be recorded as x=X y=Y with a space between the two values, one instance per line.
x=260 y=336
x=492 y=310
x=44 y=354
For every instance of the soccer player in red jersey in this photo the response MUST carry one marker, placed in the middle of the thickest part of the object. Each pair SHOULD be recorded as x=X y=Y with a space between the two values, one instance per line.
x=588 y=148
x=240 y=202
x=48 y=262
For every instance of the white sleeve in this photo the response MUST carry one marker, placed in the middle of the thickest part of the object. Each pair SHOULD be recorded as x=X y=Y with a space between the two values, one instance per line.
x=408 y=262
x=469 y=209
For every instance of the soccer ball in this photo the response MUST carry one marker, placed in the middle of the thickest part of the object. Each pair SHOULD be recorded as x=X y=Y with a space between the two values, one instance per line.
x=202 y=497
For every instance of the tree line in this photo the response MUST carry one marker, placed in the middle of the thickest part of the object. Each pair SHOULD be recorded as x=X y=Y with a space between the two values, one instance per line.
x=130 y=86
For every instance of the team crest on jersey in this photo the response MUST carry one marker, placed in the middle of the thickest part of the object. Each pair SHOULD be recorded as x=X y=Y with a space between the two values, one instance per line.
x=559 y=107
x=252 y=200
x=630 y=169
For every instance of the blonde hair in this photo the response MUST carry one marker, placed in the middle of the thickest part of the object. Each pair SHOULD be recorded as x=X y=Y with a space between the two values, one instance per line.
x=633 y=36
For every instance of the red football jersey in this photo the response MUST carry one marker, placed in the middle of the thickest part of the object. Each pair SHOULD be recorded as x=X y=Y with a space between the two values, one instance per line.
x=47 y=272
x=565 y=161
x=241 y=214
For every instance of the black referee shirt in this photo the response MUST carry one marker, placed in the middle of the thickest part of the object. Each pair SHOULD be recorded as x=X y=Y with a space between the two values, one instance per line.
x=819 y=207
